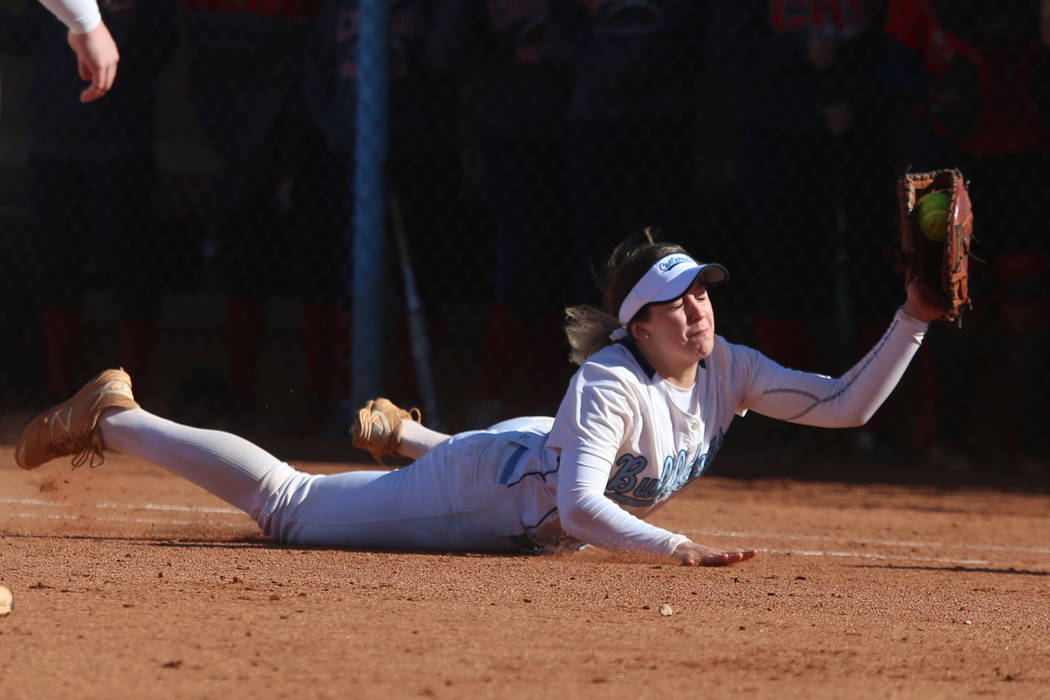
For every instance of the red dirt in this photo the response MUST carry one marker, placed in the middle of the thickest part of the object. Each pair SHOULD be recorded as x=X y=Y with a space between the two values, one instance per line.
x=129 y=582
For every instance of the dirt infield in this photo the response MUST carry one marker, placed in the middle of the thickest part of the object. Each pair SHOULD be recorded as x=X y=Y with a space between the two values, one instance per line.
x=129 y=582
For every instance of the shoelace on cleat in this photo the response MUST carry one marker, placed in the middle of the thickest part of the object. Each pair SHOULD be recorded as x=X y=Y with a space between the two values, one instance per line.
x=84 y=449
x=84 y=452
x=88 y=455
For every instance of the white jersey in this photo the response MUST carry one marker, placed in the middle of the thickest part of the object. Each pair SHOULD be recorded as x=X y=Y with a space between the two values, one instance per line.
x=620 y=445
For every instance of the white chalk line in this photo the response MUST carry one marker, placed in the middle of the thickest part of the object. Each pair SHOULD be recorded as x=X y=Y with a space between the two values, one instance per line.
x=126 y=506
x=205 y=510
x=141 y=521
x=881 y=543
x=879 y=557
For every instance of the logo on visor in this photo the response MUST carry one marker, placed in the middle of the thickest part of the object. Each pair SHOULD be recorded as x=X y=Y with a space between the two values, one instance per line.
x=671 y=262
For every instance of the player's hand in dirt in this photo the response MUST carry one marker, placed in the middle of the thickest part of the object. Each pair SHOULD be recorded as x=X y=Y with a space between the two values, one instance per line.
x=693 y=554
x=918 y=307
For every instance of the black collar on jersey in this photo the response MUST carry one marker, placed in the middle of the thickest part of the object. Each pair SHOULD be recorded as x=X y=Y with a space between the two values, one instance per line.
x=650 y=372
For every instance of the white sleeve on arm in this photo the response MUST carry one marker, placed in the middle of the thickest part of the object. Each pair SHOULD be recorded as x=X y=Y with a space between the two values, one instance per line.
x=588 y=515
x=850 y=400
x=81 y=16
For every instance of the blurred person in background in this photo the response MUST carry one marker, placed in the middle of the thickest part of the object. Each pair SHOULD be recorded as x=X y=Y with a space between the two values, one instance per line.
x=246 y=87
x=807 y=106
x=803 y=76
x=424 y=172
x=499 y=51
x=91 y=178
x=632 y=110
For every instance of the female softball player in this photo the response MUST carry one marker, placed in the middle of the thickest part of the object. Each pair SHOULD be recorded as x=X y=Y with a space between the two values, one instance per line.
x=643 y=416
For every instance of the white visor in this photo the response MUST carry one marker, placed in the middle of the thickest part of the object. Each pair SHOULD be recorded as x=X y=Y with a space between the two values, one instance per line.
x=668 y=279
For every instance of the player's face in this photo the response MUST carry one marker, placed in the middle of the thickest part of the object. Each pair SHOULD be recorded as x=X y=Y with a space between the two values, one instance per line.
x=684 y=329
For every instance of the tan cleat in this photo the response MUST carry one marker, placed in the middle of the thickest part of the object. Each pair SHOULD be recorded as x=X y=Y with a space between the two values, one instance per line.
x=377 y=427
x=70 y=427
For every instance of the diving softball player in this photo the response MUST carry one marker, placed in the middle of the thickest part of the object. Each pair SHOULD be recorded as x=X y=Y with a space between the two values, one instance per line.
x=642 y=418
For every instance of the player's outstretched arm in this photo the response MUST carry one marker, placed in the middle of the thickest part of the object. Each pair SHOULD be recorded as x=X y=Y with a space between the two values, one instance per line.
x=97 y=58
x=692 y=554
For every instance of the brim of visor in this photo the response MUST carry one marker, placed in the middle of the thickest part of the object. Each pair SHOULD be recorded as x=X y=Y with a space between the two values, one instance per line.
x=709 y=274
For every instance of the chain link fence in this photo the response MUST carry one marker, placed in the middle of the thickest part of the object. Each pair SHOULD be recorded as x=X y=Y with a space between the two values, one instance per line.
x=196 y=224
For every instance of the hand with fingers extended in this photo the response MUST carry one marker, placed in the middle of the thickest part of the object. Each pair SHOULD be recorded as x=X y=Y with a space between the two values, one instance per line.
x=692 y=554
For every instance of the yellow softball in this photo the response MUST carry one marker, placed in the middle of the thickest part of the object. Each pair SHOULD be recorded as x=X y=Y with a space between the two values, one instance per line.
x=933 y=211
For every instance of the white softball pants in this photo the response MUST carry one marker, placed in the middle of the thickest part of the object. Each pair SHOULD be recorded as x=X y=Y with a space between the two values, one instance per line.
x=450 y=499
